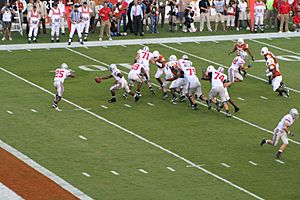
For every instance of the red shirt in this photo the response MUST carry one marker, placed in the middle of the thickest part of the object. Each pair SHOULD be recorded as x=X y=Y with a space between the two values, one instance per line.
x=124 y=6
x=276 y=4
x=296 y=19
x=105 y=13
x=284 y=8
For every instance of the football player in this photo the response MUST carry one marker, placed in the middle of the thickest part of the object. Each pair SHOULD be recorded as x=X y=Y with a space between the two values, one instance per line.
x=160 y=63
x=55 y=16
x=238 y=63
x=120 y=83
x=277 y=84
x=268 y=54
x=137 y=74
x=169 y=71
x=60 y=75
x=146 y=56
x=282 y=131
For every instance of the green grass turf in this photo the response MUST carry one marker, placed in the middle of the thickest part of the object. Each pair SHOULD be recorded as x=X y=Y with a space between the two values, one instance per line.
x=204 y=137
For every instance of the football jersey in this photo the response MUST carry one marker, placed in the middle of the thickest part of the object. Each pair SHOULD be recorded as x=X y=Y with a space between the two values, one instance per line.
x=85 y=12
x=182 y=62
x=259 y=9
x=271 y=55
x=115 y=73
x=55 y=15
x=217 y=78
x=237 y=62
x=190 y=74
x=160 y=62
x=136 y=68
x=286 y=119
x=34 y=17
x=241 y=48
x=61 y=74
x=145 y=56
x=275 y=70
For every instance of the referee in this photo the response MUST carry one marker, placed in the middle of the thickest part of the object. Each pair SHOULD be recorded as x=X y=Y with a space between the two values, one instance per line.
x=75 y=24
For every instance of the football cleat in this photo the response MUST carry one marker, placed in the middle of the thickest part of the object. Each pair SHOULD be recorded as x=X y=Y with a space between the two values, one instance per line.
x=165 y=96
x=208 y=102
x=182 y=99
x=136 y=97
x=236 y=109
x=54 y=105
x=112 y=100
x=174 y=100
x=263 y=142
x=278 y=155
x=194 y=106
x=218 y=106
x=125 y=95
x=228 y=114
x=286 y=92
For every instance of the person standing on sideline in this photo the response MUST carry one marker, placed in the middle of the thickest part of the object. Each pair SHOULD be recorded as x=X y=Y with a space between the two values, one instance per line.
x=136 y=15
x=86 y=13
x=259 y=13
x=296 y=22
x=62 y=8
x=219 y=5
x=282 y=131
x=76 y=18
x=124 y=6
x=162 y=12
x=154 y=16
x=204 y=5
x=55 y=19
x=41 y=7
x=33 y=21
x=270 y=14
x=7 y=13
x=284 y=11
x=92 y=6
x=105 y=14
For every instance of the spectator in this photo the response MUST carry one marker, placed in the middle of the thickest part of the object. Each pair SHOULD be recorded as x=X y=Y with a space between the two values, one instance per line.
x=143 y=6
x=284 y=11
x=62 y=9
x=105 y=14
x=69 y=8
x=129 y=24
x=41 y=7
x=172 y=16
x=154 y=17
x=55 y=20
x=243 y=15
x=296 y=22
x=136 y=15
x=231 y=9
x=147 y=13
x=97 y=18
x=219 y=6
x=114 y=28
x=29 y=8
x=276 y=6
x=259 y=12
x=116 y=19
x=204 y=14
x=124 y=7
x=296 y=6
x=21 y=7
x=181 y=9
x=7 y=14
x=86 y=13
x=188 y=20
x=162 y=12
x=270 y=14
x=92 y=5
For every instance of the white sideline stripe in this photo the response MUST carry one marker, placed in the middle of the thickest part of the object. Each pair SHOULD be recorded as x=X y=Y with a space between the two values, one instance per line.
x=143 y=171
x=102 y=106
x=281 y=162
x=72 y=189
x=150 y=104
x=210 y=61
x=115 y=173
x=237 y=118
x=82 y=137
x=9 y=112
x=33 y=110
x=215 y=41
x=197 y=42
x=239 y=98
x=171 y=169
x=225 y=165
x=262 y=97
x=86 y=174
x=128 y=106
x=253 y=163
x=7 y=194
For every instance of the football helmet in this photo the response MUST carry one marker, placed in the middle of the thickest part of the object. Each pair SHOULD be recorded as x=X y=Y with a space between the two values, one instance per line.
x=270 y=61
x=112 y=67
x=210 y=68
x=221 y=69
x=172 y=58
x=140 y=61
x=185 y=57
x=240 y=41
x=294 y=113
x=64 y=66
x=264 y=51
x=146 y=48
x=155 y=54
x=244 y=55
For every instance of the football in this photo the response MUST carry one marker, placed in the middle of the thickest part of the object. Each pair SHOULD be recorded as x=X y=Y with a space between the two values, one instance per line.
x=98 y=80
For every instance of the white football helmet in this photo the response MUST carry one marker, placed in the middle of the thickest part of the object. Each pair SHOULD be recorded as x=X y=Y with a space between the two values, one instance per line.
x=221 y=69
x=185 y=57
x=64 y=66
x=112 y=67
x=155 y=54
x=264 y=51
x=210 y=68
x=172 y=58
x=140 y=61
x=240 y=41
x=146 y=48
x=294 y=113
x=244 y=55
x=270 y=61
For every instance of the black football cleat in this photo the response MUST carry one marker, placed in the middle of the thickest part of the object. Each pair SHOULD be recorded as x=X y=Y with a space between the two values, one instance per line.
x=278 y=155
x=218 y=106
x=136 y=97
x=263 y=142
x=112 y=100
x=125 y=95
x=236 y=109
x=208 y=102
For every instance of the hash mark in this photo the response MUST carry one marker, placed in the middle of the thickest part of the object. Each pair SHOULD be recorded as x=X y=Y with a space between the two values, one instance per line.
x=82 y=137
x=115 y=173
x=171 y=169
x=253 y=163
x=32 y=110
x=103 y=106
x=143 y=171
x=279 y=161
x=9 y=112
x=86 y=174
x=225 y=165
x=150 y=104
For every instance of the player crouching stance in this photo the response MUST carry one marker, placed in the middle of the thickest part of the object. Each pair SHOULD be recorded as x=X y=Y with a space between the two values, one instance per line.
x=237 y=64
x=60 y=75
x=281 y=132
x=277 y=84
x=120 y=83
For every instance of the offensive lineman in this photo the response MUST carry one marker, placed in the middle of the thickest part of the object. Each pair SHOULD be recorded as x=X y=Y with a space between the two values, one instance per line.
x=60 y=75
x=55 y=16
x=282 y=132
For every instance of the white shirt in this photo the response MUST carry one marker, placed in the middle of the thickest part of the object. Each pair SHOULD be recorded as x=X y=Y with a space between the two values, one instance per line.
x=286 y=119
x=115 y=73
x=136 y=10
x=136 y=68
x=55 y=15
x=217 y=78
x=145 y=56
x=259 y=9
x=237 y=62
x=62 y=7
x=34 y=18
x=6 y=17
x=61 y=74
x=243 y=6
x=182 y=62
x=190 y=74
x=85 y=12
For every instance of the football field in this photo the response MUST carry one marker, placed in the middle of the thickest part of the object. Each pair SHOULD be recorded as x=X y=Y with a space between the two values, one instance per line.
x=152 y=149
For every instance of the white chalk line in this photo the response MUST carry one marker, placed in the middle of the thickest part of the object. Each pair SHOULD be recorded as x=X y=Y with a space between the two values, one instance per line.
x=139 y=137
x=115 y=173
x=253 y=163
x=262 y=97
x=126 y=105
x=239 y=98
x=9 y=112
x=281 y=162
x=86 y=174
x=171 y=169
x=33 y=110
x=150 y=104
x=143 y=171
x=103 y=106
x=225 y=165
x=82 y=137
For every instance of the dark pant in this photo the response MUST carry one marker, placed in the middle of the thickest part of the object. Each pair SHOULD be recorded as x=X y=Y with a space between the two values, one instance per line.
x=162 y=16
x=43 y=25
x=92 y=22
x=123 y=18
x=137 y=24
x=129 y=24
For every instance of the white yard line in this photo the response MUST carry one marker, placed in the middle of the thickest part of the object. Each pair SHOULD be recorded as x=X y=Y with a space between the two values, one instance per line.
x=82 y=137
x=196 y=165
x=139 y=137
x=215 y=41
x=103 y=106
x=281 y=162
x=197 y=42
x=126 y=105
x=86 y=174
x=80 y=109
x=237 y=118
x=115 y=173
x=33 y=110
x=239 y=98
x=150 y=104
x=9 y=112
x=225 y=165
x=179 y=43
x=287 y=38
x=7 y=194
x=262 y=97
x=210 y=61
x=143 y=171
x=171 y=169
x=253 y=163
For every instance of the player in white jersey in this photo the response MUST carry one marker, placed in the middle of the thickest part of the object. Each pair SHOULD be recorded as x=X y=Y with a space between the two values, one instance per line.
x=259 y=13
x=169 y=76
x=184 y=59
x=282 y=132
x=55 y=16
x=193 y=86
x=86 y=13
x=120 y=83
x=237 y=63
x=60 y=75
x=62 y=8
x=146 y=56
x=33 y=19
x=137 y=74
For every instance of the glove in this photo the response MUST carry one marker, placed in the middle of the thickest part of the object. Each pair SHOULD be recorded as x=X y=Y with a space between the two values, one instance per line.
x=290 y=134
x=253 y=58
x=98 y=79
x=249 y=65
